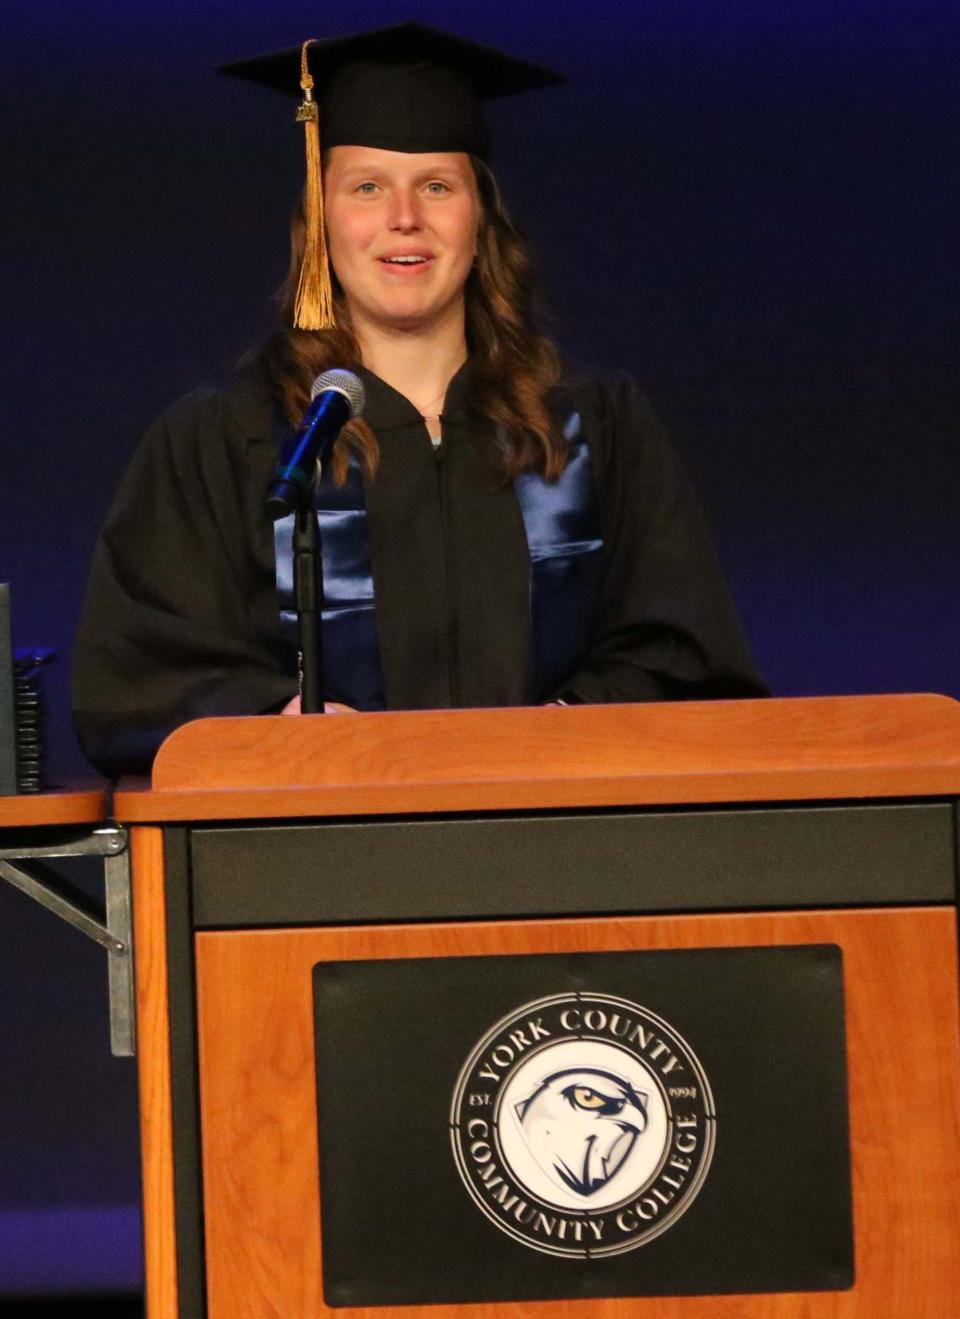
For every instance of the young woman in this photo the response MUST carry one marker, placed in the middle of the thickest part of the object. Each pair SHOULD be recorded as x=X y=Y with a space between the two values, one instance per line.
x=494 y=532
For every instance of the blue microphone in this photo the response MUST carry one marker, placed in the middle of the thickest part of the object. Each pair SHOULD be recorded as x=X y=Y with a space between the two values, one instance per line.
x=336 y=397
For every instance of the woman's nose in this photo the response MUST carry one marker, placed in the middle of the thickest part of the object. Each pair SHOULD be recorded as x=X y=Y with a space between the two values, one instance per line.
x=405 y=214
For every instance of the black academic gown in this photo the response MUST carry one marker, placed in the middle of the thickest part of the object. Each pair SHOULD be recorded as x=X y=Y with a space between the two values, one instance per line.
x=181 y=617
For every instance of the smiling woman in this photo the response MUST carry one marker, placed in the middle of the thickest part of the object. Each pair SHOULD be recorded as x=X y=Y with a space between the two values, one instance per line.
x=515 y=534
x=402 y=235
x=488 y=312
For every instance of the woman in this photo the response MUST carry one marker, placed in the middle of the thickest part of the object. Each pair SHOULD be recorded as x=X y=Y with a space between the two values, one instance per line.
x=494 y=534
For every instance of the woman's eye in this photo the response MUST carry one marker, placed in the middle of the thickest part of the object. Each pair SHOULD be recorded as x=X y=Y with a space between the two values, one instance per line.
x=366 y=188
x=437 y=187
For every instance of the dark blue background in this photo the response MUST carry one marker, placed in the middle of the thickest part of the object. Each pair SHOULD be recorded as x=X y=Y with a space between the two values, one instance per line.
x=753 y=207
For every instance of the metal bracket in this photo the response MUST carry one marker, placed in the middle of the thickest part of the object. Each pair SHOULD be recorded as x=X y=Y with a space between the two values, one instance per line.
x=109 y=924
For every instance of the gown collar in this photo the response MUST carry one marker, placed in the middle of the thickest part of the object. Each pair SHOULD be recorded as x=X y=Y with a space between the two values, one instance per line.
x=386 y=408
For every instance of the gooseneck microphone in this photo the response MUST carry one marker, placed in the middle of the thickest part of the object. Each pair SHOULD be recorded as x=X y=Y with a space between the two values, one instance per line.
x=336 y=397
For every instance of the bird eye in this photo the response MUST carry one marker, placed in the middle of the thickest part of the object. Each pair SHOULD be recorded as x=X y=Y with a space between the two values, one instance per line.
x=589 y=1100
x=583 y=1097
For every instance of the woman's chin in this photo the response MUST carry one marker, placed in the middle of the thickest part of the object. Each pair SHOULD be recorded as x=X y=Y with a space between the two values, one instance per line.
x=409 y=314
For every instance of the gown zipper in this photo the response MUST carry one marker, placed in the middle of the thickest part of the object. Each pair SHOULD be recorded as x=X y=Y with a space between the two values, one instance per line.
x=453 y=687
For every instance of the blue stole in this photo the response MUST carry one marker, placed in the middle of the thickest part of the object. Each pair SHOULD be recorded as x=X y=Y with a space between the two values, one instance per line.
x=562 y=525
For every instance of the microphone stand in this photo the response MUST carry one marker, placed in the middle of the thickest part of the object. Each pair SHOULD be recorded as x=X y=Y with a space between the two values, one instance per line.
x=308 y=602
x=337 y=396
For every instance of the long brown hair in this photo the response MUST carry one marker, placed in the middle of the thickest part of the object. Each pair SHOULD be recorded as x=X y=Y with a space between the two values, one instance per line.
x=514 y=364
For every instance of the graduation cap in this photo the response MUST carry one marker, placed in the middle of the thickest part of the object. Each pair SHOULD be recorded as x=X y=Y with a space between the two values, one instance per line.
x=403 y=88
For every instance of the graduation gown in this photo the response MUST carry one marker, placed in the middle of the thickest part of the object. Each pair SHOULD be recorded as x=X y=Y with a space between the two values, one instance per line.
x=182 y=620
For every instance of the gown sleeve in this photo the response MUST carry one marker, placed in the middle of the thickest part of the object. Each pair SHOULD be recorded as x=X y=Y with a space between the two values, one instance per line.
x=180 y=617
x=667 y=628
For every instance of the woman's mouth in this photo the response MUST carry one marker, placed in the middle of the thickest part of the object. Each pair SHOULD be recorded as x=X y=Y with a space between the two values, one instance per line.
x=406 y=263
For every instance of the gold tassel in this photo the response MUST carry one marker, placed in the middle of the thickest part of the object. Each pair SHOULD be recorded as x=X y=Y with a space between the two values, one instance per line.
x=314 y=305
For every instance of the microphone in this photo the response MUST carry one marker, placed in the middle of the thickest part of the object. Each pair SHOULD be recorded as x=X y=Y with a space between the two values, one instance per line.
x=336 y=397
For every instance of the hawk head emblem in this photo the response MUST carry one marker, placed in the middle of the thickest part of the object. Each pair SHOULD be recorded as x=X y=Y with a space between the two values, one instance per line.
x=581 y=1124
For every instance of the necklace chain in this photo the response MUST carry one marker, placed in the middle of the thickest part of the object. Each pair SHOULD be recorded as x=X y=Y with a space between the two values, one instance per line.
x=425 y=412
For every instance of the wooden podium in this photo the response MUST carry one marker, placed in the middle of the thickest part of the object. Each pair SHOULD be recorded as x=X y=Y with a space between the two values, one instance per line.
x=267 y=846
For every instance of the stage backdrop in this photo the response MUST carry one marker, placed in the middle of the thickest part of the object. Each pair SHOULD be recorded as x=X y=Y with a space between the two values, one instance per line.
x=754 y=209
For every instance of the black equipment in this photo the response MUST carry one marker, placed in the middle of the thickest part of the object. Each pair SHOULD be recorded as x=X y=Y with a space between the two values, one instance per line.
x=21 y=710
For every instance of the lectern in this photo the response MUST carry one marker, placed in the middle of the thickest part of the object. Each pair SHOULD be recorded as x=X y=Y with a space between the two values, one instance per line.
x=629 y=1010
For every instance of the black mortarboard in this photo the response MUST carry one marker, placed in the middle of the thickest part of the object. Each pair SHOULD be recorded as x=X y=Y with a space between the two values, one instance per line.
x=404 y=88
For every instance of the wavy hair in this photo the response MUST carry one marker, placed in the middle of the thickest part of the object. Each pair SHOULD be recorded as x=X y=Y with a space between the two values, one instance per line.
x=515 y=366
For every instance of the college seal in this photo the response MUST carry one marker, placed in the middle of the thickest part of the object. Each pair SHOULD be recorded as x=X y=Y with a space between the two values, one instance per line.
x=582 y=1125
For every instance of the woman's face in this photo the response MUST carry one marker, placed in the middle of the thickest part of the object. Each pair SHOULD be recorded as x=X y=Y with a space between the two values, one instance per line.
x=402 y=233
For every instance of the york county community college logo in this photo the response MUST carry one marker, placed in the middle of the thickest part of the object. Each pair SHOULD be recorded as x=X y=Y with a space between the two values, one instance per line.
x=582 y=1125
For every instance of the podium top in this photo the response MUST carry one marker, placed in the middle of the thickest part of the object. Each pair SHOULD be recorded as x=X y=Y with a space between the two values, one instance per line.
x=553 y=757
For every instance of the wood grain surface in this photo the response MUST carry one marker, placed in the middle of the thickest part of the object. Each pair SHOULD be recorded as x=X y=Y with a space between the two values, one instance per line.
x=455 y=760
x=259 y=1121
x=153 y=1063
x=66 y=806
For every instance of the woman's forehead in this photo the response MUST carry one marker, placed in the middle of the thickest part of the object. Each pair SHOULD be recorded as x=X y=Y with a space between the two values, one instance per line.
x=349 y=159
